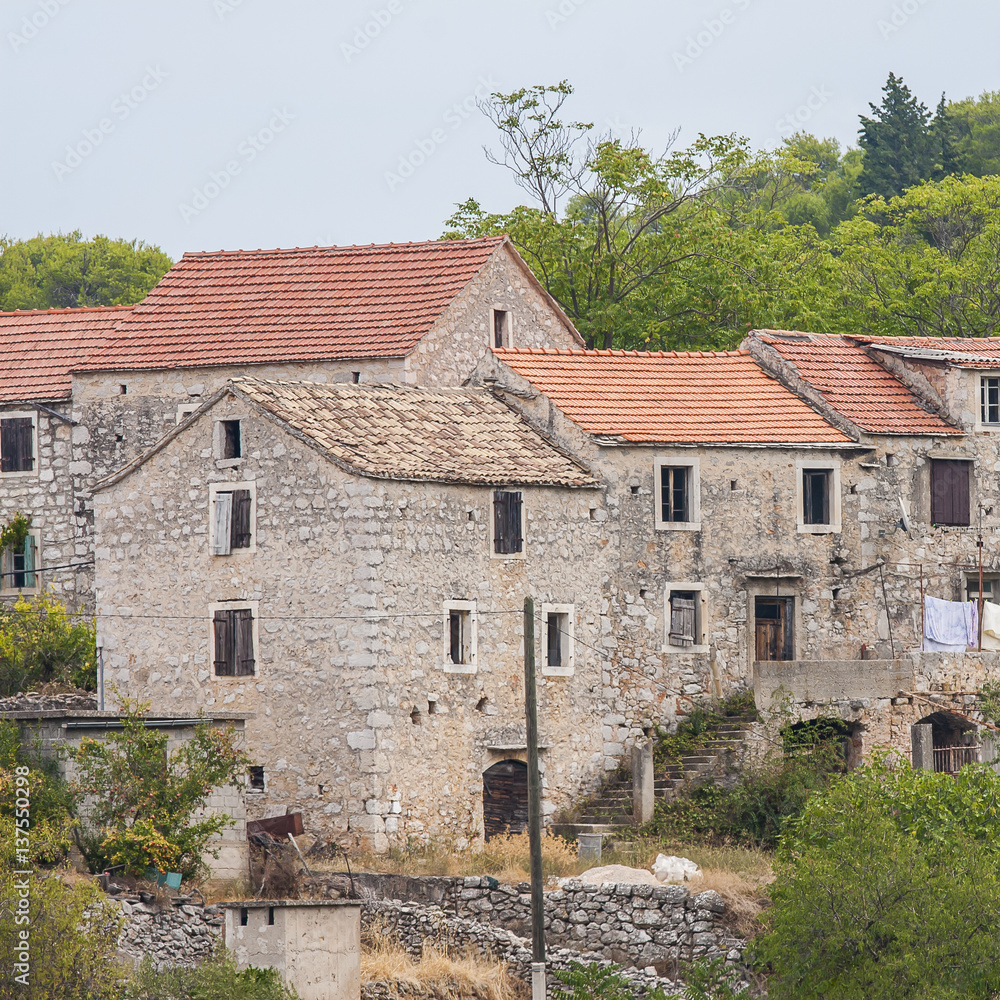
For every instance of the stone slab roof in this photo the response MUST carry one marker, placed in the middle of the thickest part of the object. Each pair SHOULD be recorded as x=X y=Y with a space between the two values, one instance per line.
x=853 y=382
x=318 y=303
x=405 y=432
x=40 y=347
x=710 y=397
x=963 y=352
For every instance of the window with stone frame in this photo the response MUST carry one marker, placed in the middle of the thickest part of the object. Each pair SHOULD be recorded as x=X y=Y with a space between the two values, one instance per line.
x=676 y=505
x=816 y=495
x=232 y=513
x=17 y=444
x=559 y=640
x=683 y=630
x=18 y=566
x=989 y=400
x=501 y=328
x=508 y=524
x=460 y=638
x=233 y=635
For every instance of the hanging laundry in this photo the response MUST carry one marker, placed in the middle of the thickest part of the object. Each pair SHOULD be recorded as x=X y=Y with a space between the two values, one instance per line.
x=991 y=625
x=950 y=626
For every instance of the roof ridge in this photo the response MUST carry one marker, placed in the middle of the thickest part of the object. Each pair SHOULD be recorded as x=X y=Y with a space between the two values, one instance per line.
x=64 y=309
x=372 y=247
x=616 y=352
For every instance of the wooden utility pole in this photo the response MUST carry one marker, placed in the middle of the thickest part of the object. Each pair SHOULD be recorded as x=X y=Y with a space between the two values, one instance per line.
x=534 y=807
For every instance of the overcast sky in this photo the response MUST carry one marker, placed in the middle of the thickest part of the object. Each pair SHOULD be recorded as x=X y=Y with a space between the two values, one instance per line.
x=207 y=124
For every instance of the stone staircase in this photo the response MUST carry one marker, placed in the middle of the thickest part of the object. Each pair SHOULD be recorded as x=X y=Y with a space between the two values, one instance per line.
x=609 y=810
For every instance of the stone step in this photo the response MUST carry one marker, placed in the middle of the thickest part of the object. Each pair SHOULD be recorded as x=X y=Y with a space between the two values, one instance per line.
x=606 y=820
x=572 y=830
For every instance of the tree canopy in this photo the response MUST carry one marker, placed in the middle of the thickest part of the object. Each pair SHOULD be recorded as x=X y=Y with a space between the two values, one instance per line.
x=57 y=271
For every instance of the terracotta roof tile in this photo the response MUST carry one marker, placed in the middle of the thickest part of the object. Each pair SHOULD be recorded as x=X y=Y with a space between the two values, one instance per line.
x=40 y=347
x=405 y=432
x=320 y=303
x=854 y=383
x=690 y=397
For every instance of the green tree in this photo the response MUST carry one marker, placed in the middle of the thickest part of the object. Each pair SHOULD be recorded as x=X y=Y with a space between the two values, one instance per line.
x=146 y=799
x=975 y=129
x=41 y=641
x=60 y=270
x=899 y=145
x=888 y=883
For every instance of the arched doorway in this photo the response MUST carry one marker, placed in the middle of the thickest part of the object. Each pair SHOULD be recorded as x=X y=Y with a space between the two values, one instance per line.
x=505 y=798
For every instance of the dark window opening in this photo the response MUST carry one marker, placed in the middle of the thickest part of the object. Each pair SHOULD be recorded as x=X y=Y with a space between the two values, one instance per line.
x=234 y=653
x=683 y=618
x=733 y=485
x=460 y=636
x=816 y=496
x=828 y=740
x=507 y=523
x=675 y=493
x=244 y=916
x=17 y=453
x=505 y=798
x=635 y=490
x=773 y=627
x=256 y=778
x=122 y=389
x=500 y=328
x=356 y=377
x=557 y=640
x=270 y=915
x=231 y=444
x=991 y=587
x=18 y=567
x=432 y=707
x=990 y=399
x=950 y=492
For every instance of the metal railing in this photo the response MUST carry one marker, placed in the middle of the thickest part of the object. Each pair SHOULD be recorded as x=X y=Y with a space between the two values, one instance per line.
x=950 y=760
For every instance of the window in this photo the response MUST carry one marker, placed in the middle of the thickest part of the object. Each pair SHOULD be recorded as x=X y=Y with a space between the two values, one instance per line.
x=818 y=496
x=17 y=444
x=233 y=511
x=18 y=566
x=950 y=491
x=677 y=502
x=233 y=633
x=256 y=778
x=460 y=637
x=184 y=410
x=991 y=587
x=685 y=629
x=231 y=443
x=508 y=514
x=501 y=328
x=558 y=627
x=773 y=622
x=989 y=399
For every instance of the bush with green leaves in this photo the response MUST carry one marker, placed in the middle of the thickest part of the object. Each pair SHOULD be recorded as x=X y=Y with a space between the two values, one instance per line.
x=216 y=979
x=888 y=886
x=145 y=798
x=703 y=980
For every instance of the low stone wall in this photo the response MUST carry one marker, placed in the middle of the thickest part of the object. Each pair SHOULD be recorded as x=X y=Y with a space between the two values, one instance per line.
x=634 y=925
x=416 y=925
x=170 y=935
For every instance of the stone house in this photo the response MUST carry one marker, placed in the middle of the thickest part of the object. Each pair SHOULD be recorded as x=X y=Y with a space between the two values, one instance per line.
x=355 y=581
x=88 y=390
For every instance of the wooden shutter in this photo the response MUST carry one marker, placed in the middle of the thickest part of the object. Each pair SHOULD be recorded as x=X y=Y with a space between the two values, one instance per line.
x=950 y=491
x=240 y=519
x=507 y=522
x=17 y=453
x=30 y=581
x=224 y=665
x=244 y=642
x=516 y=541
x=683 y=618
x=222 y=519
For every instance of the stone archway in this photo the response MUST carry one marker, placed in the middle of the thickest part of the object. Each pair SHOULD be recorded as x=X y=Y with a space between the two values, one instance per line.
x=505 y=798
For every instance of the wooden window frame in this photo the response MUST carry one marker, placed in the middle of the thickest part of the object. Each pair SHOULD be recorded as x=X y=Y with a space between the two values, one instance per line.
x=566 y=612
x=253 y=608
x=943 y=513
x=219 y=441
x=7 y=584
x=521 y=553
x=832 y=467
x=980 y=402
x=469 y=610
x=693 y=465
x=31 y=415
x=698 y=589
x=214 y=489
x=507 y=334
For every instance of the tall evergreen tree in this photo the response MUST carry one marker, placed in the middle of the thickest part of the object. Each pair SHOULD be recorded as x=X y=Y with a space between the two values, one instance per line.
x=900 y=147
x=945 y=134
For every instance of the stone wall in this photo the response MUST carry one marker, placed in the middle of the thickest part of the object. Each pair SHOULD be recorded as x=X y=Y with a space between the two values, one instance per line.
x=184 y=934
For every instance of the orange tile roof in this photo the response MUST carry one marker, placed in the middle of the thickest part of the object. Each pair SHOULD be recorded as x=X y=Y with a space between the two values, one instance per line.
x=712 y=397
x=854 y=383
x=40 y=347
x=318 y=303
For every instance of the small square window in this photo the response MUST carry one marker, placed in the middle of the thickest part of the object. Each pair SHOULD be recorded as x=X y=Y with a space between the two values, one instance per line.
x=256 y=778
x=233 y=634
x=17 y=444
x=508 y=523
x=460 y=637
x=232 y=445
x=989 y=399
x=558 y=621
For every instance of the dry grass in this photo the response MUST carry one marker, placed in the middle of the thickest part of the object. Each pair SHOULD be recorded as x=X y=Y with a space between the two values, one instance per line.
x=466 y=976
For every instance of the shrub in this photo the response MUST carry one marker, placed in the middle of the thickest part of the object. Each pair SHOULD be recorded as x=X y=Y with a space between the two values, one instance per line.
x=145 y=798
x=216 y=979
